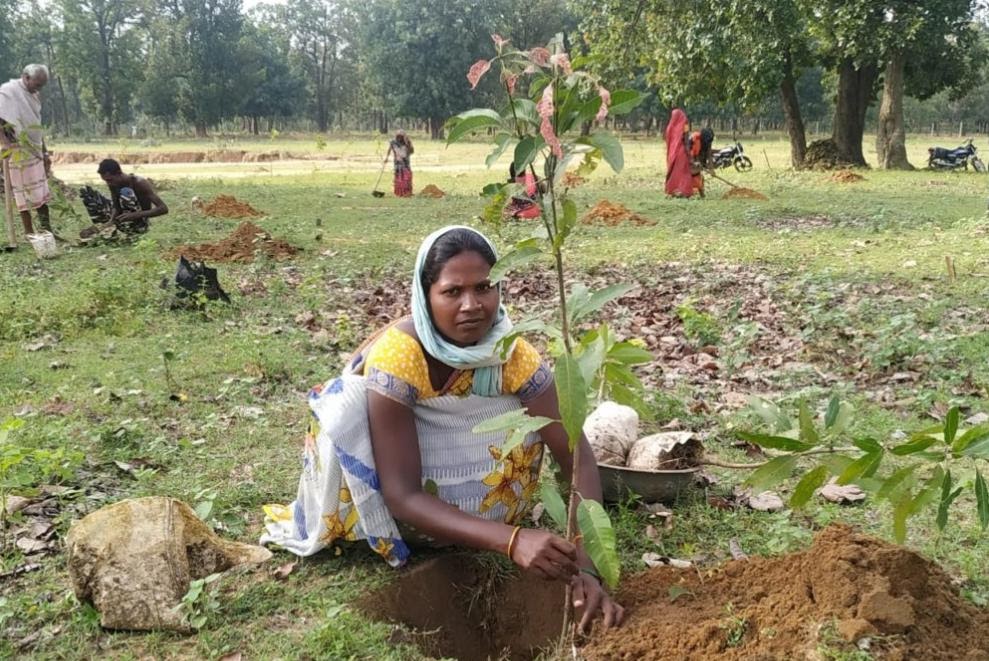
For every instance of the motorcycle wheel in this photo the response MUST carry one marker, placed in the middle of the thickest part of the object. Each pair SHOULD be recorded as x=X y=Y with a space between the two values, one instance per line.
x=978 y=165
x=742 y=163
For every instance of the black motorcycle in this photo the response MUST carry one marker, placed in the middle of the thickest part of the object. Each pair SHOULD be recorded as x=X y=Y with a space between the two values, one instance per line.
x=733 y=155
x=940 y=158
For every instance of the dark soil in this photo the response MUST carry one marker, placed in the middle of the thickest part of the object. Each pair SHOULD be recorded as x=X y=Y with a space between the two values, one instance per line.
x=228 y=206
x=459 y=606
x=844 y=588
x=243 y=245
x=823 y=155
x=611 y=214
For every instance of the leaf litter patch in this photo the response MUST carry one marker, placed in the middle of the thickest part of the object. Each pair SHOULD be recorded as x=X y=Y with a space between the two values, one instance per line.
x=725 y=331
x=847 y=590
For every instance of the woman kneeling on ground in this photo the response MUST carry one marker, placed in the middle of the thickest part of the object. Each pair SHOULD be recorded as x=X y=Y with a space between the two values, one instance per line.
x=390 y=457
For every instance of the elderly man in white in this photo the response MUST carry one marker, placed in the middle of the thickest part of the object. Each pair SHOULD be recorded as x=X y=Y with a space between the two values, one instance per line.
x=23 y=144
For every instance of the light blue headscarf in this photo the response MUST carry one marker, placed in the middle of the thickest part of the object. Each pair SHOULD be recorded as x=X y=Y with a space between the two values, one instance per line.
x=482 y=357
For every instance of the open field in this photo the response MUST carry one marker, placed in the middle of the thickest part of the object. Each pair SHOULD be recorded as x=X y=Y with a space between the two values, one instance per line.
x=826 y=287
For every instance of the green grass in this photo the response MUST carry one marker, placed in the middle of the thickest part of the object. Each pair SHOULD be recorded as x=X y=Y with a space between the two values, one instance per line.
x=245 y=367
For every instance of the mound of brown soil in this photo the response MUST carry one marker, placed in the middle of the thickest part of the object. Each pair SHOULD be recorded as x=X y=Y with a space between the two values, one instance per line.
x=571 y=180
x=241 y=246
x=431 y=191
x=228 y=206
x=745 y=193
x=846 y=177
x=845 y=587
x=611 y=214
x=823 y=155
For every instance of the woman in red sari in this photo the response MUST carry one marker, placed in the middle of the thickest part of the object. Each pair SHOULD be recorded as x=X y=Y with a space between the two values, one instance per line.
x=679 y=182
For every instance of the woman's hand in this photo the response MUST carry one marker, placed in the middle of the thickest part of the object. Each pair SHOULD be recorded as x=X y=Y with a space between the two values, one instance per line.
x=549 y=555
x=590 y=600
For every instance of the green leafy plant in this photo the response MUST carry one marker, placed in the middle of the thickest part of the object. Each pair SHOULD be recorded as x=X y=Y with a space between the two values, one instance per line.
x=699 y=327
x=534 y=130
x=23 y=467
x=200 y=603
x=923 y=477
x=734 y=627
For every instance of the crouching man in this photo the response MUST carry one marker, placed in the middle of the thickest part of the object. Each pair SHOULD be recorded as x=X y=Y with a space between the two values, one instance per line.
x=132 y=202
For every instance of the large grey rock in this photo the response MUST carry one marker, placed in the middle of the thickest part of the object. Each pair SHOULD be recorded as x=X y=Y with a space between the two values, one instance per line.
x=134 y=560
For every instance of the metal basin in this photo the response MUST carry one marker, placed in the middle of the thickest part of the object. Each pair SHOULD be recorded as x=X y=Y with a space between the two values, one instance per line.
x=651 y=486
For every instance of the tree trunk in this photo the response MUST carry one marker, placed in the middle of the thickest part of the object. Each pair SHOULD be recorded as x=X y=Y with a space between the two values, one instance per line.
x=854 y=96
x=791 y=113
x=891 y=139
x=382 y=122
x=201 y=129
x=436 y=128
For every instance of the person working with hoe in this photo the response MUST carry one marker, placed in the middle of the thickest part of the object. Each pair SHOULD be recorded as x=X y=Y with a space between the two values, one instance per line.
x=132 y=202
x=22 y=145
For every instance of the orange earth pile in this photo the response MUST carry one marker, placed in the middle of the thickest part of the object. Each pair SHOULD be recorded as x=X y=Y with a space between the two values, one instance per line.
x=845 y=588
x=745 y=193
x=228 y=206
x=846 y=177
x=611 y=214
x=242 y=245
x=431 y=191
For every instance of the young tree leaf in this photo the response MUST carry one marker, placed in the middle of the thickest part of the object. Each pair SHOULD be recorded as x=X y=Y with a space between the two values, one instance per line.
x=808 y=484
x=566 y=222
x=947 y=497
x=917 y=443
x=832 y=413
x=950 y=425
x=774 y=442
x=599 y=540
x=901 y=512
x=591 y=358
x=467 y=122
x=771 y=473
x=553 y=502
x=582 y=306
x=892 y=483
x=526 y=151
x=807 y=432
x=629 y=354
x=523 y=253
x=972 y=435
x=867 y=445
x=516 y=419
x=526 y=111
x=625 y=101
x=502 y=142
x=864 y=465
x=982 y=499
x=571 y=391
x=611 y=149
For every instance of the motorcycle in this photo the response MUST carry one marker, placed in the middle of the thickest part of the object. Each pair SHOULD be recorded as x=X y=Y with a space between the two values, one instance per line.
x=940 y=158
x=733 y=155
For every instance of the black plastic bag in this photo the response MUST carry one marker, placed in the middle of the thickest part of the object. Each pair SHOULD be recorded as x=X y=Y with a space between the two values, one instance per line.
x=195 y=277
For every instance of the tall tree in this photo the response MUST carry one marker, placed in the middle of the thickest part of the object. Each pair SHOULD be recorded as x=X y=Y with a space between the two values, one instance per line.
x=414 y=54
x=929 y=47
x=277 y=91
x=103 y=48
x=729 y=52
x=321 y=42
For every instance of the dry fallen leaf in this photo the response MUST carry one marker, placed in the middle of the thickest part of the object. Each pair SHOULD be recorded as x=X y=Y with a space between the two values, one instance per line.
x=657 y=560
x=736 y=550
x=232 y=656
x=842 y=494
x=281 y=573
x=767 y=501
x=29 y=546
x=651 y=532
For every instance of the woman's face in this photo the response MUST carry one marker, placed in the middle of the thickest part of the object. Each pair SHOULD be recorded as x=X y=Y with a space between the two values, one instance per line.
x=463 y=300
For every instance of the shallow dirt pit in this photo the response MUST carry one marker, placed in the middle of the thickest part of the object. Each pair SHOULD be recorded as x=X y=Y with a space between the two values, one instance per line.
x=845 y=588
x=739 y=192
x=797 y=223
x=610 y=214
x=463 y=607
x=243 y=245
